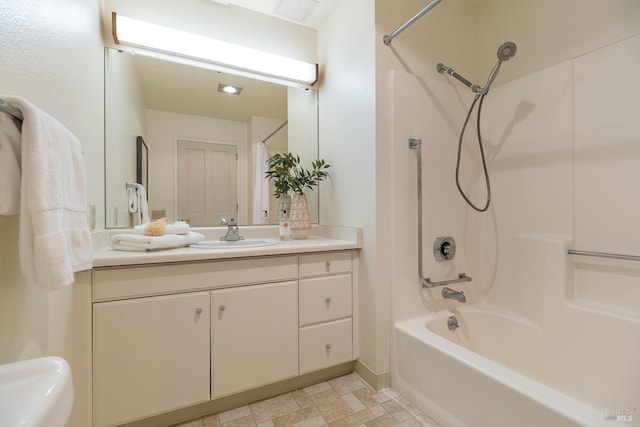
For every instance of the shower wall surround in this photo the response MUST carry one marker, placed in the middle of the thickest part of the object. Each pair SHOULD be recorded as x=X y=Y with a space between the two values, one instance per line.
x=562 y=151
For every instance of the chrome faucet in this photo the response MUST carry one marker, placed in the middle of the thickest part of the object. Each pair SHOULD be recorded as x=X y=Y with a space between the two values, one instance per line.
x=233 y=231
x=453 y=294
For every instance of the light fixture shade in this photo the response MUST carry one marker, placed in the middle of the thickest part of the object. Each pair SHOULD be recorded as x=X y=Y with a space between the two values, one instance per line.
x=134 y=32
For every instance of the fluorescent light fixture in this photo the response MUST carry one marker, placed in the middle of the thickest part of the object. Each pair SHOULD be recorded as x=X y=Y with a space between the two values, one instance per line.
x=163 y=39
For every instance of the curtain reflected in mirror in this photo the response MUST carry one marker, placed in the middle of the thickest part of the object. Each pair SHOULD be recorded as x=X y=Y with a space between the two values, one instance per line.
x=200 y=142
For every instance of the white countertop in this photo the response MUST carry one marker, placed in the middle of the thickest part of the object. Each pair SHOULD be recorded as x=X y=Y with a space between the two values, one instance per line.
x=326 y=239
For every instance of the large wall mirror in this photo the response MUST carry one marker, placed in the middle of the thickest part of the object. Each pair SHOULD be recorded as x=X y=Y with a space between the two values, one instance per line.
x=201 y=142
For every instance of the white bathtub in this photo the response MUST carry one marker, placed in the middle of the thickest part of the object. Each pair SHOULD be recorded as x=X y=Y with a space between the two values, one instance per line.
x=461 y=378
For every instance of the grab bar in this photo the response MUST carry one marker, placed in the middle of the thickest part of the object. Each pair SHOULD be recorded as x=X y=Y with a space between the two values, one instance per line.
x=416 y=144
x=462 y=277
x=604 y=255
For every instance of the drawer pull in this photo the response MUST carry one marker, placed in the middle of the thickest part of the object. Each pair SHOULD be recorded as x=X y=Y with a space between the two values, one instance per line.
x=198 y=310
x=328 y=300
x=222 y=307
x=328 y=264
x=328 y=346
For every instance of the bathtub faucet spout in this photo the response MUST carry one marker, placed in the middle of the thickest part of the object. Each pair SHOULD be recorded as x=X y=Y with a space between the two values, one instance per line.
x=453 y=294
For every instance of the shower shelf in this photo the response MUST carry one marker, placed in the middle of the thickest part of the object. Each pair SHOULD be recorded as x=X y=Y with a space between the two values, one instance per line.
x=604 y=255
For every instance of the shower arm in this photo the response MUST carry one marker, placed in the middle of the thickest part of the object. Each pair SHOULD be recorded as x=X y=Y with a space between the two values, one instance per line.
x=416 y=144
x=444 y=69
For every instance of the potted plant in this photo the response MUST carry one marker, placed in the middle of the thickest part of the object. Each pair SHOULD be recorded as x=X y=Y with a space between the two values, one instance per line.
x=291 y=180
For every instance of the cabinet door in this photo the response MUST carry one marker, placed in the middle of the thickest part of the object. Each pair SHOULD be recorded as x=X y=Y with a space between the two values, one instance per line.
x=151 y=355
x=254 y=336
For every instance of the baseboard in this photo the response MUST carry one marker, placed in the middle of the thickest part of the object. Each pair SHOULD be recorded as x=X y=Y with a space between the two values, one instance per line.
x=375 y=381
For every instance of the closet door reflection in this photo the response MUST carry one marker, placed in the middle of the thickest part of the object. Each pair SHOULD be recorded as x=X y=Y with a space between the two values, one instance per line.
x=207 y=184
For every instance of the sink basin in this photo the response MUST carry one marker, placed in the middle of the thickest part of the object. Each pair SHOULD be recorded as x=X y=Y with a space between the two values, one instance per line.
x=237 y=244
x=36 y=393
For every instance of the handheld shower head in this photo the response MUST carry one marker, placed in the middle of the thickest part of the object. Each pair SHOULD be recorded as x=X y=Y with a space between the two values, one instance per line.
x=506 y=51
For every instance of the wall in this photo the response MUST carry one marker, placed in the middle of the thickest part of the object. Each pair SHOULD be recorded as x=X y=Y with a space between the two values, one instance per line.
x=348 y=143
x=125 y=120
x=52 y=56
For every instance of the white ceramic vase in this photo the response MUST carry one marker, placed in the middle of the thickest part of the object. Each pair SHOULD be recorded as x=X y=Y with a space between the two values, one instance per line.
x=299 y=217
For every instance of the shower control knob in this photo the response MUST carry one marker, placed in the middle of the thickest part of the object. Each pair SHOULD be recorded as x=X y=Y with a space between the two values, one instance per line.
x=444 y=248
x=198 y=310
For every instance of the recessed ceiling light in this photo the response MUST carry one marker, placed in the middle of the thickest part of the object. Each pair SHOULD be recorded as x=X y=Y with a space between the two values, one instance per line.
x=230 y=89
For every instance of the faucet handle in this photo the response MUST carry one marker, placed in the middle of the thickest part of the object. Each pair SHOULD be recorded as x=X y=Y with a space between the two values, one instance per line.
x=223 y=221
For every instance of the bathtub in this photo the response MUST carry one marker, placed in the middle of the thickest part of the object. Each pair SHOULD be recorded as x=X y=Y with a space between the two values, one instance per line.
x=473 y=376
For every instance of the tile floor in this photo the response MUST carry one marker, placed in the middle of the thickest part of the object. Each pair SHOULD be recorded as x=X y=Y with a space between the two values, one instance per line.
x=345 y=401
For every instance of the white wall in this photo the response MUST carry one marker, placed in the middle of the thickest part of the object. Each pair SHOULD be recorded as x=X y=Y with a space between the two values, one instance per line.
x=125 y=120
x=52 y=55
x=348 y=143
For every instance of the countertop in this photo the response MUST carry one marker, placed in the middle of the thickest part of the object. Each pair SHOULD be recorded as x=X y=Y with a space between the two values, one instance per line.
x=323 y=238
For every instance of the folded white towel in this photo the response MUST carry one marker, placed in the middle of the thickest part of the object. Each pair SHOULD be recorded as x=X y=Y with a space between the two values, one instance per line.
x=125 y=242
x=177 y=227
x=54 y=235
x=10 y=159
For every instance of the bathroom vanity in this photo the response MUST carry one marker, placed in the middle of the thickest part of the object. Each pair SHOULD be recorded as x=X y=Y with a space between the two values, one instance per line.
x=183 y=327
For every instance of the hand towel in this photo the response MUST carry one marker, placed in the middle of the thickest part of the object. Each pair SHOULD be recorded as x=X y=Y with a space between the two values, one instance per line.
x=125 y=242
x=54 y=237
x=177 y=227
x=143 y=208
x=10 y=159
x=261 y=184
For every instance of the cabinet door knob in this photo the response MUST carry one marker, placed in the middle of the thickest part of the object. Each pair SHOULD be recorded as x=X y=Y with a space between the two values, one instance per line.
x=328 y=346
x=222 y=307
x=328 y=300
x=198 y=310
x=328 y=264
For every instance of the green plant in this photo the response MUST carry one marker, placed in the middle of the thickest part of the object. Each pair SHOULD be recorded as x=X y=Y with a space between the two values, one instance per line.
x=287 y=174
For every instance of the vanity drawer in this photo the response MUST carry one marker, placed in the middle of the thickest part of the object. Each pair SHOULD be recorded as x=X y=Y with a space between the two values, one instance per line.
x=325 y=263
x=135 y=281
x=325 y=298
x=325 y=345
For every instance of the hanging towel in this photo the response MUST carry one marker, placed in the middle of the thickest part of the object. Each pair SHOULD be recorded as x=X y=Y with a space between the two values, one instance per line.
x=143 y=207
x=10 y=159
x=54 y=235
x=136 y=242
x=261 y=184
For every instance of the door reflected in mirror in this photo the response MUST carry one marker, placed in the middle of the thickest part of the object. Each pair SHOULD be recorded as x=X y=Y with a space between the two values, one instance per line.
x=201 y=142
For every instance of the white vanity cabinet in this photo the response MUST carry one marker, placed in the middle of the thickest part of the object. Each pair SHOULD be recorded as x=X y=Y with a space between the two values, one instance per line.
x=151 y=355
x=170 y=336
x=254 y=336
x=326 y=301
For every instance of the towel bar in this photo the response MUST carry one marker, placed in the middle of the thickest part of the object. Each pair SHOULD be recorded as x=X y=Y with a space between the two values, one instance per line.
x=604 y=255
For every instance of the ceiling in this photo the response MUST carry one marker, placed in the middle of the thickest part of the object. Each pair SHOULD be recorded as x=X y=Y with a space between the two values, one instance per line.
x=291 y=10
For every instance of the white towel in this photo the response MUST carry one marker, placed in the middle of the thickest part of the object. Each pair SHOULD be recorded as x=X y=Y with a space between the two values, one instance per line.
x=177 y=227
x=261 y=184
x=143 y=208
x=136 y=242
x=10 y=159
x=54 y=235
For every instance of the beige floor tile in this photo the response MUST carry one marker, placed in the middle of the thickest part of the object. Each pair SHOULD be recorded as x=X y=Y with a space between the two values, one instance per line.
x=275 y=407
x=425 y=421
x=331 y=405
x=317 y=388
x=398 y=411
x=302 y=398
x=378 y=411
x=241 y=422
x=358 y=418
x=316 y=421
x=346 y=384
x=282 y=421
x=383 y=421
x=365 y=395
x=266 y=424
x=353 y=402
x=234 y=414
